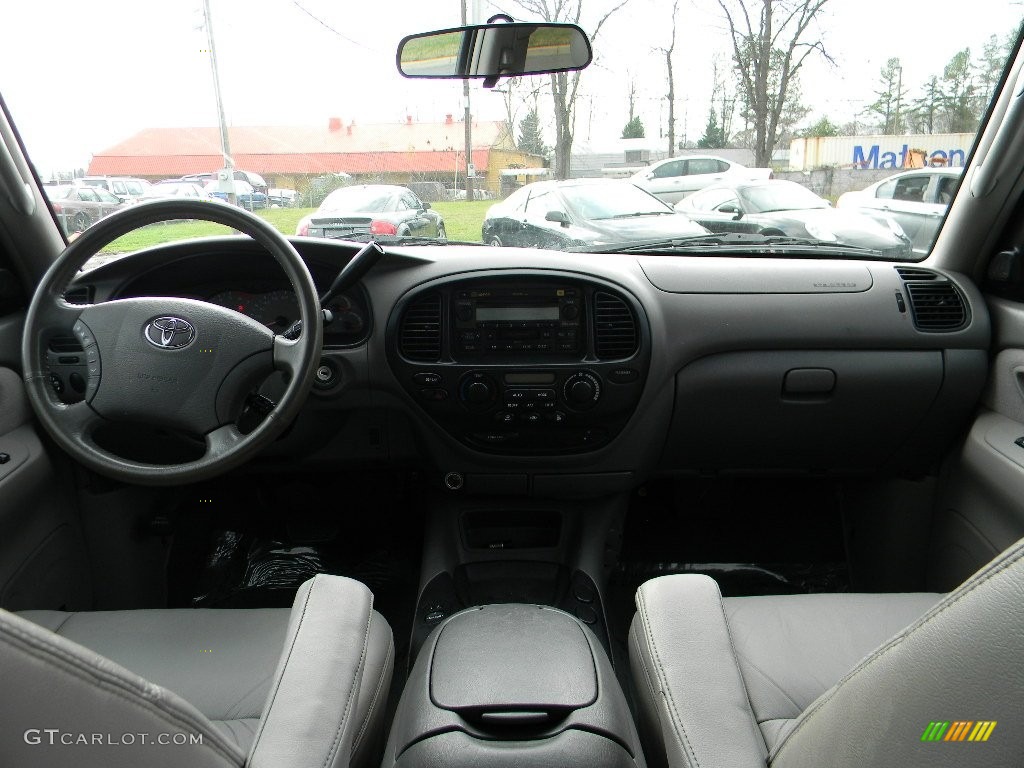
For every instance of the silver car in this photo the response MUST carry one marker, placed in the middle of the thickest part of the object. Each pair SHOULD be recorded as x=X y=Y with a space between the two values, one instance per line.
x=676 y=177
x=916 y=200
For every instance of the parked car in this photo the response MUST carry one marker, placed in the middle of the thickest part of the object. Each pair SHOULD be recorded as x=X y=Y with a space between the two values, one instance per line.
x=379 y=209
x=77 y=207
x=282 y=198
x=917 y=199
x=245 y=195
x=126 y=190
x=778 y=207
x=675 y=178
x=258 y=182
x=566 y=214
x=176 y=189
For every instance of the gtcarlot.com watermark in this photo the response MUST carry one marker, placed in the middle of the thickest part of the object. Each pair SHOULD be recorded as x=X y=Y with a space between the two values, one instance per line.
x=55 y=736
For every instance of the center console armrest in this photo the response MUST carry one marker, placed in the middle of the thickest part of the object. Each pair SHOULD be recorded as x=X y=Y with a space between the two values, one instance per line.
x=499 y=684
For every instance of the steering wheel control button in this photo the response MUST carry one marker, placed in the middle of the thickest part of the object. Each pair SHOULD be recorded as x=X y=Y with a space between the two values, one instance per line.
x=84 y=334
x=428 y=379
x=623 y=375
x=56 y=384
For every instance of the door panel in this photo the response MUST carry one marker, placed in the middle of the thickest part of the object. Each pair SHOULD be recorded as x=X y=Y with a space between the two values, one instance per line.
x=43 y=561
x=980 y=510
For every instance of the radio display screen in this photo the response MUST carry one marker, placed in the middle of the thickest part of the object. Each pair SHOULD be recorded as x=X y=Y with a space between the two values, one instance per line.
x=516 y=314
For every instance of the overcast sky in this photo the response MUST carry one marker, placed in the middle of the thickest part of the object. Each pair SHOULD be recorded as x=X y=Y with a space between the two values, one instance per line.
x=80 y=76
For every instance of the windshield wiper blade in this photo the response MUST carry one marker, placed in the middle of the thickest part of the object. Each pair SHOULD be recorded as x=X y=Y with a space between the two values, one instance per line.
x=734 y=241
x=640 y=213
x=363 y=237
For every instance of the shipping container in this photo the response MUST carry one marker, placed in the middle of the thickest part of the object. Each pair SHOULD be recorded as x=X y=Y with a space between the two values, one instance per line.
x=873 y=152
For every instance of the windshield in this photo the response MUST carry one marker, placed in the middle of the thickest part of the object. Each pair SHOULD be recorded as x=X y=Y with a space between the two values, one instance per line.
x=780 y=196
x=305 y=96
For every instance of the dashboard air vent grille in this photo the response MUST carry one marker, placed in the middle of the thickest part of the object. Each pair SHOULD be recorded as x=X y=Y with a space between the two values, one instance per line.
x=615 y=330
x=913 y=273
x=937 y=306
x=420 y=335
x=80 y=294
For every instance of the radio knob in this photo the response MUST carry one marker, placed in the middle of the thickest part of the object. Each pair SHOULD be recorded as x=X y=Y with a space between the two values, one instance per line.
x=479 y=392
x=570 y=311
x=582 y=389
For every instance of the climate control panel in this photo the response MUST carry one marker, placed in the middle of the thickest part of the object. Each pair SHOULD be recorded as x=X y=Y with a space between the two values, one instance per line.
x=550 y=365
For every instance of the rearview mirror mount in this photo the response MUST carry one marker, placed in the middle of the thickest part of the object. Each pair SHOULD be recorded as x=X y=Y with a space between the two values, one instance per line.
x=491 y=51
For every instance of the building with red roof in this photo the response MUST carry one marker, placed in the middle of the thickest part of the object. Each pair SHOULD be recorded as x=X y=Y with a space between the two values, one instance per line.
x=291 y=156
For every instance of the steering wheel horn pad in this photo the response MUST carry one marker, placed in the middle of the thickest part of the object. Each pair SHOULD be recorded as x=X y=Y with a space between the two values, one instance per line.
x=154 y=379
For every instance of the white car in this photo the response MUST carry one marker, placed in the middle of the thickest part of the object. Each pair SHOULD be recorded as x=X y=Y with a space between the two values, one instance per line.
x=676 y=177
x=917 y=200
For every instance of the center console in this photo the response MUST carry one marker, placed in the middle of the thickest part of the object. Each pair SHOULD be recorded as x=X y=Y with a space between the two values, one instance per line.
x=512 y=685
x=551 y=364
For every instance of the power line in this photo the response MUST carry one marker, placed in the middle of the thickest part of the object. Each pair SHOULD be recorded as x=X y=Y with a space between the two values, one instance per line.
x=328 y=27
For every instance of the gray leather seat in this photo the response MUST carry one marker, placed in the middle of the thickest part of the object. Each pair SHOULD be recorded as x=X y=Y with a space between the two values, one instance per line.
x=274 y=687
x=830 y=680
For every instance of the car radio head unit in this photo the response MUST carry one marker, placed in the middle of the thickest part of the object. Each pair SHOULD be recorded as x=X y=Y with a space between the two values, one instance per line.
x=518 y=319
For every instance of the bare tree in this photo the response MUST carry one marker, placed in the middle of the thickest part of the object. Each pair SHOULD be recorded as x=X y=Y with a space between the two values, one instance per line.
x=770 y=45
x=671 y=95
x=565 y=85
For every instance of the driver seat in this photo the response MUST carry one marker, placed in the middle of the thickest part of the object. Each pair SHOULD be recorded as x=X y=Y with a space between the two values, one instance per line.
x=224 y=688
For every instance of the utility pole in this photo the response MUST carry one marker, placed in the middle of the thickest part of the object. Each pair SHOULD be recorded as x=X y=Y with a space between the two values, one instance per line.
x=225 y=143
x=468 y=120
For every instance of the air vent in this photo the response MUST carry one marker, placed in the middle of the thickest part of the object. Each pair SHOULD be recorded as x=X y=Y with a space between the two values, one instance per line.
x=64 y=345
x=79 y=294
x=614 y=327
x=913 y=273
x=937 y=306
x=420 y=335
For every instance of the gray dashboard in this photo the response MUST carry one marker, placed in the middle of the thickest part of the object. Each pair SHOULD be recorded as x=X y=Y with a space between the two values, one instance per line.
x=746 y=364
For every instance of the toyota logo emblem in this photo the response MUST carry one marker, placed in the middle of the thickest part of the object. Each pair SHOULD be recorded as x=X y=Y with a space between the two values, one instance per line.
x=169 y=332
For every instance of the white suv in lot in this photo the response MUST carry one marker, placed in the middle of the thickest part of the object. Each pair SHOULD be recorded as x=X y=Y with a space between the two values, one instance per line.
x=676 y=177
x=917 y=200
x=127 y=190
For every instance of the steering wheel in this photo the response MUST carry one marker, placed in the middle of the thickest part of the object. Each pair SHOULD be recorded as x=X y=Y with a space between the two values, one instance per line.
x=174 y=363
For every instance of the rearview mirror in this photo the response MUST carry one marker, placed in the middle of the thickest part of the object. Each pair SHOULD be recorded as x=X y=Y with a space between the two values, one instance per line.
x=495 y=50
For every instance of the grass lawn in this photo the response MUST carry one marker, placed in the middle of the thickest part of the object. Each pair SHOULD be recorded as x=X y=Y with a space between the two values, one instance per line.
x=462 y=220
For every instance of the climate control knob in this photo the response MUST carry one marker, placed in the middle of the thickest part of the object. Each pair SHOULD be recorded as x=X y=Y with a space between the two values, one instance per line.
x=582 y=389
x=477 y=390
